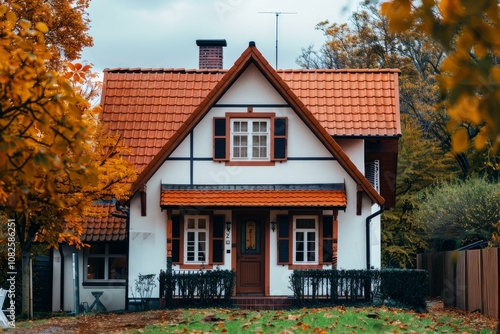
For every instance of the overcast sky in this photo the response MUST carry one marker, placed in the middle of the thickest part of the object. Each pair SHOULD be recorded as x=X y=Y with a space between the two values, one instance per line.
x=163 y=33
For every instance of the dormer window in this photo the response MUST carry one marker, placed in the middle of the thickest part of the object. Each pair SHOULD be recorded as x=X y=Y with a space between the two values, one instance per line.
x=250 y=138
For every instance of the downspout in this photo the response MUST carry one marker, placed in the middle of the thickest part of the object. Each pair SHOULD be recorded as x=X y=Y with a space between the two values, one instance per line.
x=368 y=220
x=61 y=292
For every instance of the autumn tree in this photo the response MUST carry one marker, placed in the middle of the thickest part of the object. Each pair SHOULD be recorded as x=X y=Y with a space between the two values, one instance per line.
x=469 y=75
x=67 y=22
x=55 y=156
x=367 y=42
x=42 y=130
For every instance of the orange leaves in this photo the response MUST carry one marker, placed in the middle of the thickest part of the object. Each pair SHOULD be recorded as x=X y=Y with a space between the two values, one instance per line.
x=469 y=78
x=399 y=14
x=77 y=72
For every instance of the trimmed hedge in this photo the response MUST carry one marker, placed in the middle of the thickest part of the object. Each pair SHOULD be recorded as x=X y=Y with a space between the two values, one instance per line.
x=397 y=287
x=198 y=288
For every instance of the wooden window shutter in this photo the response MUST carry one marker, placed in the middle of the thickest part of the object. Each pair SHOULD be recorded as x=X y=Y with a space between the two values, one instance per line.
x=284 y=243
x=280 y=139
x=176 y=239
x=220 y=139
x=218 y=239
x=328 y=240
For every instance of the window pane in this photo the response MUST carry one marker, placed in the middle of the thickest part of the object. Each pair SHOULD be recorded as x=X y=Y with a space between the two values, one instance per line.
x=311 y=256
x=201 y=251
x=311 y=236
x=236 y=126
x=95 y=268
x=299 y=236
x=190 y=223
x=202 y=236
x=305 y=223
x=244 y=127
x=202 y=223
x=117 y=268
x=190 y=236
x=244 y=152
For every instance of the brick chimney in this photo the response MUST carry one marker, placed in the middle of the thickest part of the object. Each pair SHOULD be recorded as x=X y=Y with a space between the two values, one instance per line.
x=211 y=53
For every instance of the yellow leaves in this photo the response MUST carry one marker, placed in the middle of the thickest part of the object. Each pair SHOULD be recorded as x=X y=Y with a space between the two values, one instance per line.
x=11 y=18
x=469 y=79
x=42 y=27
x=399 y=14
x=451 y=10
x=460 y=140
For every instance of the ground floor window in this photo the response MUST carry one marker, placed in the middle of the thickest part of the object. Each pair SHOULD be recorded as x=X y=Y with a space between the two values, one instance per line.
x=305 y=239
x=196 y=240
x=106 y=261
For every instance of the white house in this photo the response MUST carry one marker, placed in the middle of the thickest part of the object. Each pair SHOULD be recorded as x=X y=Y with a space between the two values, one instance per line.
x=253 y=169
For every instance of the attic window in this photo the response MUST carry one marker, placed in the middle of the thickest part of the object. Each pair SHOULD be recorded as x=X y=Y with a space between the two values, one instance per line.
x=250 y=138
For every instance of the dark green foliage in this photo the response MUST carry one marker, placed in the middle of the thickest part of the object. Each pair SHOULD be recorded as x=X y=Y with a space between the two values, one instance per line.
x=458 y=213
x=198 y=288
x=402 y=287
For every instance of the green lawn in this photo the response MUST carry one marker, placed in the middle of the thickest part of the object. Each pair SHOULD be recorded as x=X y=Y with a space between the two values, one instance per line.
x=337 y=319
x=316 y=320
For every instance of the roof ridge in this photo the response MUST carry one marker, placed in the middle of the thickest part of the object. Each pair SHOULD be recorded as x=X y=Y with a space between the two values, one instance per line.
x=163 y=70
x=346 y=70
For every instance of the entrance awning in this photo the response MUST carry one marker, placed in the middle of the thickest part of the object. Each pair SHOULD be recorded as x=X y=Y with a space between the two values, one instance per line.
x=298 y=196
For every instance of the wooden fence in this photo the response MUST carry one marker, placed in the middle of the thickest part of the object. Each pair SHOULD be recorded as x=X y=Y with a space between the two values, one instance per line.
x=468 y=280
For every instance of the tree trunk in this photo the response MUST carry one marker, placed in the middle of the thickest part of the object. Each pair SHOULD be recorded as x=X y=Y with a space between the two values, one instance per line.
x=26 y=286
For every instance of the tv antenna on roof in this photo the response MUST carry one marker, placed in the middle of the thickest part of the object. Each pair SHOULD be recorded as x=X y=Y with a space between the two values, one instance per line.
x=277 y=14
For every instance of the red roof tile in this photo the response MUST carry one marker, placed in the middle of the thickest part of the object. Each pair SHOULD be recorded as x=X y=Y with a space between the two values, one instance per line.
x=102 y=226
x=254 y=198
x=153 y=104
x=250 y=56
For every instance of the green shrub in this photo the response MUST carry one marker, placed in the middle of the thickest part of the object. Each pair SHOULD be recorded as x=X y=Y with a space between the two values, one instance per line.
x=401 y=287
x=198 y=288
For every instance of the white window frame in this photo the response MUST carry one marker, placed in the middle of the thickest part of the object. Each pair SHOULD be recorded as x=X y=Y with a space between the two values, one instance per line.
x=106 y=256
x=305 y=231
x=249 y=134
x=197 y=231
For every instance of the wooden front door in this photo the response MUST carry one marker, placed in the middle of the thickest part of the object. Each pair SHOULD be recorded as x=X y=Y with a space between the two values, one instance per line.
x=250 y=255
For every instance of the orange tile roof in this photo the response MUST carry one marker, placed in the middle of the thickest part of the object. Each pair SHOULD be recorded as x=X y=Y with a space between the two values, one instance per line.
x=147 y=106
x=254 y=198
x=102 y=226
x=250 y=56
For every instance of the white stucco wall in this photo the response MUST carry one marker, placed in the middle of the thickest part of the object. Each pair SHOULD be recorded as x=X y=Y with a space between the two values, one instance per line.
x=148 y=234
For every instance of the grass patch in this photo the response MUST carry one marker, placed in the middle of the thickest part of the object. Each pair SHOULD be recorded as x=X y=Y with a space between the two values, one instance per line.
x=313 y=320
